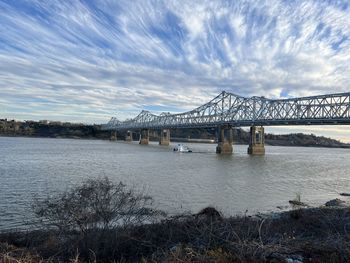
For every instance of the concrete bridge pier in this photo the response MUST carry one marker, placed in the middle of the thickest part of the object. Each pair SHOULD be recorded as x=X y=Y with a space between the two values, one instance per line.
x=144 y=137
x=128 y=136
x=225 y=140
x=164 y=137
x=256 y=141
x=113 y=136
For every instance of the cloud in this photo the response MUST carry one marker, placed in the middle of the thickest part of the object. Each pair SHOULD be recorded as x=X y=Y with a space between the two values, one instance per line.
x=90 y=60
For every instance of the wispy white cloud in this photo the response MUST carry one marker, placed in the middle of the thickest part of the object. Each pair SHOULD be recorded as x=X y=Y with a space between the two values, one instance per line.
x=89 y=60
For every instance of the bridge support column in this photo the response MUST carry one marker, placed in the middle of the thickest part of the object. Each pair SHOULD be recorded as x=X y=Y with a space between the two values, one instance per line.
x=113 y=136
x=225 y=139
x=164 y=137
x=256 y=141
x=144 y=136
x=128 y=136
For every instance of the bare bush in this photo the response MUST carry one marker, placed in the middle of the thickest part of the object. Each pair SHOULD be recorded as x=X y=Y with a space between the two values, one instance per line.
x=95 y=204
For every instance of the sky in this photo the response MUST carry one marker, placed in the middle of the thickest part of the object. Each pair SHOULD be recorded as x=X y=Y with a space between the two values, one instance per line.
x=86 y=61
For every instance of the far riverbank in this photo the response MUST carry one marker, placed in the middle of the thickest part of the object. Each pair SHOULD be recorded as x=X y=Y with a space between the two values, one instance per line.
x=55 y=129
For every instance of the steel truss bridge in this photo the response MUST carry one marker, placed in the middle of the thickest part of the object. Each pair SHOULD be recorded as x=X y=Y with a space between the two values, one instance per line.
x=230 y=109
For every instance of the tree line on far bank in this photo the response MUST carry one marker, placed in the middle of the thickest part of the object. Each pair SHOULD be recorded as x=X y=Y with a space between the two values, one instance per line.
x=72 y=130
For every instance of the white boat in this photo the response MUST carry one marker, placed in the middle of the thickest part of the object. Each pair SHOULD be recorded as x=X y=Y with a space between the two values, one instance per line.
x=182 y=148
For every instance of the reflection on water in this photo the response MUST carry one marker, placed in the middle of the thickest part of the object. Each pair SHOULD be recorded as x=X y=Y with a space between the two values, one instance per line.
x=177 y=181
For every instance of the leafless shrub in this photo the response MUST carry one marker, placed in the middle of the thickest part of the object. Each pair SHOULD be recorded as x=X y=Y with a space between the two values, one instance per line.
x=95 y=204
x=90 y=217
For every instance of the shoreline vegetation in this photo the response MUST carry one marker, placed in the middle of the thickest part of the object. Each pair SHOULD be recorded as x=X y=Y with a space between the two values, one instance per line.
x=47 y=129
x=101 y=221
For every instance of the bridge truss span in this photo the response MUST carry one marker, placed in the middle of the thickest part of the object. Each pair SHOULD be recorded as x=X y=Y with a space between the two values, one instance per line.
x=234 y=110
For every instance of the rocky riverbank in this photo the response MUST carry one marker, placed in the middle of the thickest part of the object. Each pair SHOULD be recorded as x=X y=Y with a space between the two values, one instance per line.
x=300 y=235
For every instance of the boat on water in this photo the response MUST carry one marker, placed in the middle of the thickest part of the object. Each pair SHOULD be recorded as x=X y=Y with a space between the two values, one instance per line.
x=182 y=148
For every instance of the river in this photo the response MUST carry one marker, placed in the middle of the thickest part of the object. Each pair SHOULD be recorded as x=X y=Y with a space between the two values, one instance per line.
x=178 y=182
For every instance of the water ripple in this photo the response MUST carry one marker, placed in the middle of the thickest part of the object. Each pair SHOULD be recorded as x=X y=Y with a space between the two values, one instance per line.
x=178 y=182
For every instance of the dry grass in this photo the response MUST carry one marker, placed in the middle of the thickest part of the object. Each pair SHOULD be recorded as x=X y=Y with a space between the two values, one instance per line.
x=316 y=235
x=11 y=254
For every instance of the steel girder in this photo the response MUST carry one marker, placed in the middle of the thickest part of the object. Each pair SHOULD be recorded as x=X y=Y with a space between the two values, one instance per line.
x=228 y=108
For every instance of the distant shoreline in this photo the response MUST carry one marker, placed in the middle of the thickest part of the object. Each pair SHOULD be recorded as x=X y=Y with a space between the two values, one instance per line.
x=183 y=140
x=66 y=130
